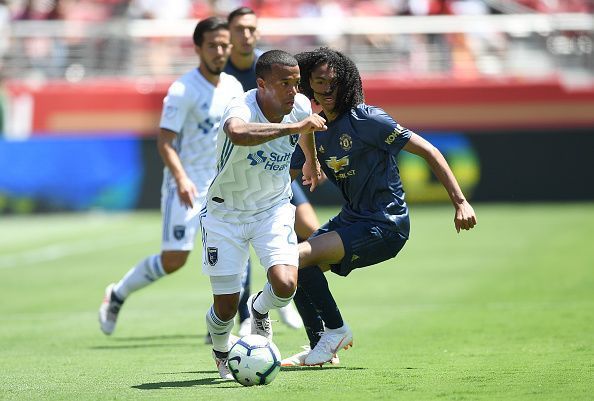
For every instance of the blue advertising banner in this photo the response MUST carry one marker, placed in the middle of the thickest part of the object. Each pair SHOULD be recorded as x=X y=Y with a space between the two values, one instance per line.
x=72 y=173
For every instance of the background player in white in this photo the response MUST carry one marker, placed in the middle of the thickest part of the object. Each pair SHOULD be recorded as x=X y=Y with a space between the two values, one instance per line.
x=249 y=199
x=190 y=121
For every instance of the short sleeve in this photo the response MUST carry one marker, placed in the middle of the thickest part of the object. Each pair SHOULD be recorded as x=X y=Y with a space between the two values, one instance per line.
x=238 y=109
x=176 y=107
x=381 y=129
x=298 y=158
x=302 y=107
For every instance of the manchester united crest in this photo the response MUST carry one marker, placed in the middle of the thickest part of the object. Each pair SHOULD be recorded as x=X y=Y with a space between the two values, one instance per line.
x=346 y=143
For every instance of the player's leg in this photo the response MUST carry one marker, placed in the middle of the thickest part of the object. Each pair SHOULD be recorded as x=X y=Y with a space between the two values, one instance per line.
x=362 y=244
x=306 y=223
x=179 y=231
x=275 y=242
x=219 y=318
x=243 y=311
x=324 y=247
x=224 y=257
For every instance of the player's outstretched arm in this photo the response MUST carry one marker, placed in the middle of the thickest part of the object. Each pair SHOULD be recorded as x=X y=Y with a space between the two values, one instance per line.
x=465 y=218
x=185 y=187
x=249 y=134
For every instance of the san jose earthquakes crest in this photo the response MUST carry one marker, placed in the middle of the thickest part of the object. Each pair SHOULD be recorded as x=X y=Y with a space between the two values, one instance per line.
x=212 y=254
x=179 y=232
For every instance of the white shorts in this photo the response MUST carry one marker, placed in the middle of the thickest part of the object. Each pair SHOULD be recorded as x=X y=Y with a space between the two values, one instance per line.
x=180 y=224
x=226 y=246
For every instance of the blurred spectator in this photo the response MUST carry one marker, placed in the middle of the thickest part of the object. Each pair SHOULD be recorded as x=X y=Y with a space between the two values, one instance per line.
x=559 y=6
x=4 y=30
x=161 y=51
x=159 y=9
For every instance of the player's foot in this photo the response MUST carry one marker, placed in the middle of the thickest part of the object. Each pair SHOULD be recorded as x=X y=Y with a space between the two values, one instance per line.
x=331 y=341
x=260 y=323
x=290 y=317
x=222 y=367
x=299 y=358
x=109 y=310
x=245 y=327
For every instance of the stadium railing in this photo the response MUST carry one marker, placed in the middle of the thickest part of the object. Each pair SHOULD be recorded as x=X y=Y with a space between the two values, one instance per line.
x=518 y=46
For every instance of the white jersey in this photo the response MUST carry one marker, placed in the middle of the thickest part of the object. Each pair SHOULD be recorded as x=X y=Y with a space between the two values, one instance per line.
x=252 y=180
x=193 y=109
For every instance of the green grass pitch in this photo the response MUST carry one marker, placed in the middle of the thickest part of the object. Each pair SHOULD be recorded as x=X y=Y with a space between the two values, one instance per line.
x=504 y=312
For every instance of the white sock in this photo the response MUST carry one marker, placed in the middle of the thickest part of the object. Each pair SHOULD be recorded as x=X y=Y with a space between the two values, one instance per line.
x=269 y=300
x=219 y=330
x=141 y=275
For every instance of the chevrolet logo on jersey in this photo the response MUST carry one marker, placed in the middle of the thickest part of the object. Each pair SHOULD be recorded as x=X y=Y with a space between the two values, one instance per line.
x=337 y=164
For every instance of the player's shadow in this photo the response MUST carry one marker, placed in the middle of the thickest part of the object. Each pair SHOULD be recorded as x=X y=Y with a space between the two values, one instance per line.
x=305 y=368
x=208 y=381
x=157 y=338
x=145 y=342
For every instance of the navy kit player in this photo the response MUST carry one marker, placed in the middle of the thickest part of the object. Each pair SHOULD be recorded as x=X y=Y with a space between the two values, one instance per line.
x=358 y=154
x=189 y=125
x=243 y=25
x=248 y=202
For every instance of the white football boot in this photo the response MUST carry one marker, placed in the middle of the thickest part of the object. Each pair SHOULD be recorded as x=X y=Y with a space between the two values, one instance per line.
x=222 y=367
x=299 y=358
x=109 y=310
x=261 y=326
x=290 y=317
x=331 y=341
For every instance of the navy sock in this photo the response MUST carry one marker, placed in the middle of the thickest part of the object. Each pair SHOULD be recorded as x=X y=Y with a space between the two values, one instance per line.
x=313 y=282
x=311 y=318
x=242 y=308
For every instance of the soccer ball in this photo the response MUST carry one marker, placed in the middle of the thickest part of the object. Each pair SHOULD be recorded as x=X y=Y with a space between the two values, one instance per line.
x=253 y=360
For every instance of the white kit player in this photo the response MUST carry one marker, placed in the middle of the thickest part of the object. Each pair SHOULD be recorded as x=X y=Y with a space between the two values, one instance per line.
x=249 y=200
x=192 y=112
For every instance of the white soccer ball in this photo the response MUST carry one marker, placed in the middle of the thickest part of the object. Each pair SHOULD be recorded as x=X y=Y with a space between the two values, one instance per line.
x=253 y=360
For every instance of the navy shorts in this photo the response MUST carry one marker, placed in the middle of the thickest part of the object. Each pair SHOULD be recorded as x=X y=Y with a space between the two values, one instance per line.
x=299 y=196
x=365 y=244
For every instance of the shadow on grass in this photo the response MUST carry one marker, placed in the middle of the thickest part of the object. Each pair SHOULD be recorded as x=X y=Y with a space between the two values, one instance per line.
x=133 y=346
x=151 y=338
x=209 y=381
x=305 y=368
x=220 y=383
x=145 y=342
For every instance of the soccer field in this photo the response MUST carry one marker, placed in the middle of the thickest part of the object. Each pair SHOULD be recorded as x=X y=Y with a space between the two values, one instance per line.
x=504 y=312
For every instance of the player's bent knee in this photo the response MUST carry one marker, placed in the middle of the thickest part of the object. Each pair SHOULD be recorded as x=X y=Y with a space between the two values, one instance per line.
x=174 y=260
x=285 y=287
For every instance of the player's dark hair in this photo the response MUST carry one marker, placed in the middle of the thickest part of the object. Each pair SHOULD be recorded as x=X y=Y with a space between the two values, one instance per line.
x=348 y=80
x=208 y=25
x=268 y=59
x=239 y=12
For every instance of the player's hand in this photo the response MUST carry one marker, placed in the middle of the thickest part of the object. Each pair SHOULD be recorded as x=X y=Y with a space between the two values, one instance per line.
x=315 y=122
x=187 y=192
x=465 y=218
x=312 y=173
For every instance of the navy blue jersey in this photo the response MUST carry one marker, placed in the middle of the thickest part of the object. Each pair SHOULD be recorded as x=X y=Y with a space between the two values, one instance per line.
x=358 y=154
x=246 y=77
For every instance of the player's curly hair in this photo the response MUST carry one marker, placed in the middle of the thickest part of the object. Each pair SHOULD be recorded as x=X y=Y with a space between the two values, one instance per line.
x=348 y=80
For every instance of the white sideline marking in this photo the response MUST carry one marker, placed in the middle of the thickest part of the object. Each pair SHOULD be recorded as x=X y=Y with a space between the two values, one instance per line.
x=62 y=250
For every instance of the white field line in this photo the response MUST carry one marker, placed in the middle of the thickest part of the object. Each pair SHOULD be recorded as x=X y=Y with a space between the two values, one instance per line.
x=65 y=249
